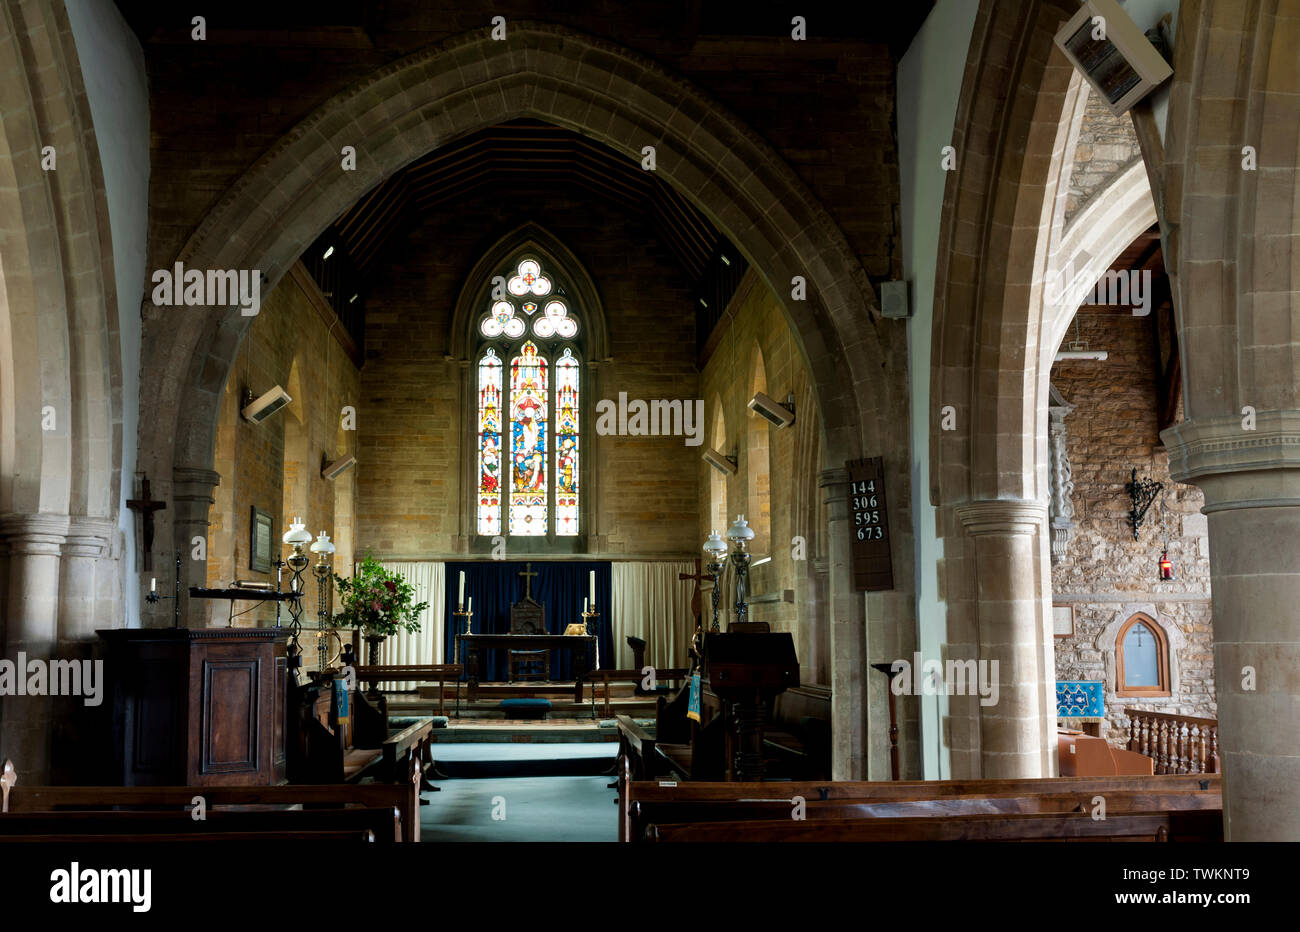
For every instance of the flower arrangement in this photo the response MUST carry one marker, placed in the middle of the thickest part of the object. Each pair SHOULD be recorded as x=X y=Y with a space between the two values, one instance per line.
x=377 y=600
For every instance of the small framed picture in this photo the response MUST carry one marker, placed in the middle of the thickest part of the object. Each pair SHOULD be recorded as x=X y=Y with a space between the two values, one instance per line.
x=1063 y=620
x=259 y=543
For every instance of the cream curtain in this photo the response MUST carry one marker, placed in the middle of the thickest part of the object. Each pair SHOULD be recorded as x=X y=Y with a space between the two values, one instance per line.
x=425 y=645
x=650 y=602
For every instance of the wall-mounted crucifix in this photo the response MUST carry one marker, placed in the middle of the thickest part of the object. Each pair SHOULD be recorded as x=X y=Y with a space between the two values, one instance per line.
x=146 y=507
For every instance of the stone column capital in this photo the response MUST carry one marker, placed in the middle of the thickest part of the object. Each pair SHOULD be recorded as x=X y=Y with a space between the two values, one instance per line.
x=88 y=537
x=35 y=535
x=1239 y=467
x=1002 y=516
x=191 y=480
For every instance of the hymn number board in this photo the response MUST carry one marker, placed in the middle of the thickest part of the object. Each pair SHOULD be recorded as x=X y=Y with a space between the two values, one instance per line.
x=873 y=564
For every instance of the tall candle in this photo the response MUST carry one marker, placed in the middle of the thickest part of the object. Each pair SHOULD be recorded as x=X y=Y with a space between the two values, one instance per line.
x=584 y=606
x=593 y=589
x=153 y=584
x=461 y=600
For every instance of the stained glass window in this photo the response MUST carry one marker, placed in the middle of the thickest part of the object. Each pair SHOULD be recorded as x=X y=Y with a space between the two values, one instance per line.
x=489 y=443
x=540 y=475
x=566 y=445
x=528 y=443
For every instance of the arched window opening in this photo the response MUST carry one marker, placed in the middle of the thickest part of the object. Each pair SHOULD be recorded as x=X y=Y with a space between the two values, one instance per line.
x=1141 y=658
x=528 y=426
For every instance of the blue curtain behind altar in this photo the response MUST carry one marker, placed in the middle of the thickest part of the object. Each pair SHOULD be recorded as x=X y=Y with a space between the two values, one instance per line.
x=496 y=585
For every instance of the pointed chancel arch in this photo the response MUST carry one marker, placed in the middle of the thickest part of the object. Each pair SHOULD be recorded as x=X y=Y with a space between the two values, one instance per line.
x=617 y=97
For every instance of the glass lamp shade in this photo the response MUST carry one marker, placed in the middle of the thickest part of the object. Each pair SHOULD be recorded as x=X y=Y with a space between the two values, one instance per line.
x=1166 y=567
x=323 y=544
x=715 y=547
x=740 y=532
x=297 y=534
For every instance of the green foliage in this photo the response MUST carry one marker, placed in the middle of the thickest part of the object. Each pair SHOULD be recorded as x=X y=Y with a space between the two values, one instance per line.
x=377 y=601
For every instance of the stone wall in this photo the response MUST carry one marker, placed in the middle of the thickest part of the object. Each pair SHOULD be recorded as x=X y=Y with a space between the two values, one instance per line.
x=1106 y=575
x=1107 y=144
x=775 y=483
x=276 y=465
x=411 y=414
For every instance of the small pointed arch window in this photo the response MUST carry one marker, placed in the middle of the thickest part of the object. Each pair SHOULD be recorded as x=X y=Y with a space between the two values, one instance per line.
x=1141 y=658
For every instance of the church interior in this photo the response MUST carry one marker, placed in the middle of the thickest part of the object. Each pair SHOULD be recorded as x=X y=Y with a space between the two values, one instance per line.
x=438 y=424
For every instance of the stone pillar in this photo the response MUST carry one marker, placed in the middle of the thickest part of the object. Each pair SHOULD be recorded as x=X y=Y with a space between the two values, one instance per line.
x=848 y=621
x=34 y=542
x=86 y=544
x=1008 y=607
x=1251 y=480
x=1060 y=475
x=192 y=497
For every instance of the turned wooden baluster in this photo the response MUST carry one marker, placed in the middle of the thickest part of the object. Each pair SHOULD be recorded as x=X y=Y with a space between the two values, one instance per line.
x=1196 y=761
x=1214 y=749
x=1162 y=746
x=1144 y=725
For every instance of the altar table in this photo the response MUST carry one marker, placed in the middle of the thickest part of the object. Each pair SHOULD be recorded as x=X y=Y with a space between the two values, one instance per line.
x=470 y=647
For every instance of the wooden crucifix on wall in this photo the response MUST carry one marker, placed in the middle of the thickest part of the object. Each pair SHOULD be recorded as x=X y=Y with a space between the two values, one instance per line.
x=146 y=507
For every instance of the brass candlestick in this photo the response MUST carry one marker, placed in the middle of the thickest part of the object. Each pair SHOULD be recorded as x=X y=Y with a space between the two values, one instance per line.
x=467 y=616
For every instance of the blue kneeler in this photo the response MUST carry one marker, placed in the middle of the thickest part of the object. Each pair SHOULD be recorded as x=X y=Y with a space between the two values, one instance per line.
x=525 y=708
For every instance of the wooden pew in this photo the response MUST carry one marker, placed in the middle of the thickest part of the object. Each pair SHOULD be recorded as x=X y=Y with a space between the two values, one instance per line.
x=440 y=673
x=365 y=836
x=1201 y=825
x=377 y=825
x=313 y=799
x=636 y=747
x=661 y=802
x=800 y=731
x=606 y=677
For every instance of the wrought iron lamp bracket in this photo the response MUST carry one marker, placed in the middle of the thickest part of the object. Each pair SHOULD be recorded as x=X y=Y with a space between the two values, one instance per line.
x=1142 y=492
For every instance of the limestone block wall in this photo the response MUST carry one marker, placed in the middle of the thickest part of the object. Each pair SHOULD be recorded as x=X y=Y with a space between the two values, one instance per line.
x=775 y=483
x=410 y=420
x=1106 y=575
x=276 y=465
x=1106 y=144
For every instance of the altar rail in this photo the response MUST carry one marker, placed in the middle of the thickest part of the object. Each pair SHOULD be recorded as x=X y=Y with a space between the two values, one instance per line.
x=1177 y=743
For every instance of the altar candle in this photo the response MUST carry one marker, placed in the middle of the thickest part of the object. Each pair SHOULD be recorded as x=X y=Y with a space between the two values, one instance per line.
x=593 y=588
x=153 y=584
x=584 y=606
x=471 y=605
x=461 y=600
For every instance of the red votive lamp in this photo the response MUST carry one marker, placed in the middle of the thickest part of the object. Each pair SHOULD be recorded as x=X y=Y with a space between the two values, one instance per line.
x=1166 y=566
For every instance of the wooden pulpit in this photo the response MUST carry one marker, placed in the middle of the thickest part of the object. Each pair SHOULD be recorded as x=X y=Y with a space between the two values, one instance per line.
x=197 y=706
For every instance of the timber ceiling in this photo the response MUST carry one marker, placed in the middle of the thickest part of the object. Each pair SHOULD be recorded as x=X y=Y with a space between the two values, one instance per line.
x=536 y=153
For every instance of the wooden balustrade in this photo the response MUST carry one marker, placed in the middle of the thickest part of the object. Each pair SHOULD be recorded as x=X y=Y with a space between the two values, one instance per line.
x=1177 y=743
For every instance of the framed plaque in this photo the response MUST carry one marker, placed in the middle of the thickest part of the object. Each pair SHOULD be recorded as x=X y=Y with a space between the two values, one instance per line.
x=873 y=562
x=259 y=543
x=1063 y=620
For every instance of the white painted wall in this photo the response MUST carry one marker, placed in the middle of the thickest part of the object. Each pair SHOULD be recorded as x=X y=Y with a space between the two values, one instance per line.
x=929 y=84
x=112 y=66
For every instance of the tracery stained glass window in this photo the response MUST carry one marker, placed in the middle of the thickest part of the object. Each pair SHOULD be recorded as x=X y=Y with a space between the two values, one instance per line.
x=515 y=449
x=528 y=443
x=489 y=443
x=566 y=445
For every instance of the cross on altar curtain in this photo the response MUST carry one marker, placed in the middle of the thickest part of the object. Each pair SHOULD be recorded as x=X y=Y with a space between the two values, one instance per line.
x=560 y=586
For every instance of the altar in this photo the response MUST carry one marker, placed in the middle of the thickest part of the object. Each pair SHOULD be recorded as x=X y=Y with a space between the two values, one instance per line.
x=471 y=649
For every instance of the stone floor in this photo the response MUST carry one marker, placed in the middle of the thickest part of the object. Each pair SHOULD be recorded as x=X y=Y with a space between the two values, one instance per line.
x=537 y=807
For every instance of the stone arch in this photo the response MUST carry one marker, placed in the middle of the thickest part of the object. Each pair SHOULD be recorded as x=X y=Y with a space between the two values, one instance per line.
x=296 y=465
x=758 y=460
x=717 y=479
x=60 y=370
x=410 y=107
x=988 y=346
